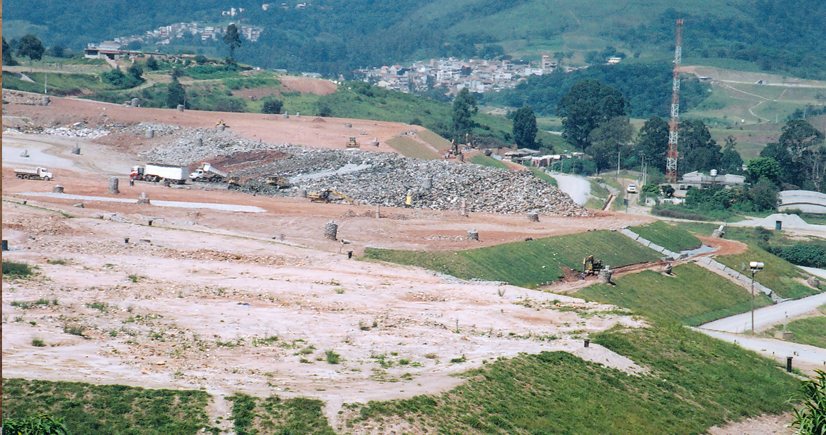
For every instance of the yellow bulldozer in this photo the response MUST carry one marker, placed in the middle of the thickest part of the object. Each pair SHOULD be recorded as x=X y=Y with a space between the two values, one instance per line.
x=326 y=195
x=591 y=266
x=278 y=181
x=352 y=143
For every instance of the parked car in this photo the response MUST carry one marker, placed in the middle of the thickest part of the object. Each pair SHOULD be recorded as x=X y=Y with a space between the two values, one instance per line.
x=632 y=188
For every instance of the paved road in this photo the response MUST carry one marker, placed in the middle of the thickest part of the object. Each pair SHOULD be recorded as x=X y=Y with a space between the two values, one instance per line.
x=767 y=316
x=577 y=187
x=775 y=349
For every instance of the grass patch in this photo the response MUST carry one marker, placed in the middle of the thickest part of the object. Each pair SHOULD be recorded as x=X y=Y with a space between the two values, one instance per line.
x=435 y=140
x=526 y=264
x=410 y=148
x=106 y=409
x=778 y=274
x=252 y=415
x=16 y=269
x=694 y=382
x=693 y=296
x=807 y=331
x=28 y=305
x=671 y=237
x=481 y=159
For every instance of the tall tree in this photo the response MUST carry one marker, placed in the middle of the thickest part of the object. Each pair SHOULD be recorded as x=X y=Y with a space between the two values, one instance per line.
x=524 y=127
x=588 y=104
x=464 y=107
x=698 y=151
x=233 y=40
x=30 y=47
x=731 y=162
x=176 y=94
x=798 y=135
x=652 y=142
x=798 y=153
x=8 y=60
x=763 y=167
x=609 y=140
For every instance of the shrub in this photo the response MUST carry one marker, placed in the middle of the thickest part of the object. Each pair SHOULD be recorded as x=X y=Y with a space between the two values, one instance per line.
x=332 y=357
x=16 y=269
x=38 y=342
x=801 y=254
x=74 y=329
x=40 y=425
x=811 y=419
x=272 y=106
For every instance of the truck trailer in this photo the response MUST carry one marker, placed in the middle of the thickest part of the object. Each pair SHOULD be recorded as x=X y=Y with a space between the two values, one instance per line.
x=158 y=172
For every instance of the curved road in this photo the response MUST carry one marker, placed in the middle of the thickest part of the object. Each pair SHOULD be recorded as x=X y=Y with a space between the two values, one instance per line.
x=578 y=188
x=767 y=316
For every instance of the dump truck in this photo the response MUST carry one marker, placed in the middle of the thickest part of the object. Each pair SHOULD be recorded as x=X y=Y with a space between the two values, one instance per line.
x=207 y=172
x=34 y=174
x=158 y=172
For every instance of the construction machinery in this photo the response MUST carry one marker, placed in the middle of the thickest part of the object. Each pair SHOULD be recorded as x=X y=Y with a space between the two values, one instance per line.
x=233 y=182
x=278 y=181
x=591 y=266
x=326 y=195
x=352 y=143
x=34 y=174
x=207 y=172
x=220 y=125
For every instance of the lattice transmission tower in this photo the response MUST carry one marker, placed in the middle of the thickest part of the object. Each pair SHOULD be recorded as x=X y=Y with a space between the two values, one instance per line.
x=673 y=126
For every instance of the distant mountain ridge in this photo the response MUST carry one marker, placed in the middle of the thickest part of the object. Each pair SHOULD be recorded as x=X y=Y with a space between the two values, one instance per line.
x=335 y=37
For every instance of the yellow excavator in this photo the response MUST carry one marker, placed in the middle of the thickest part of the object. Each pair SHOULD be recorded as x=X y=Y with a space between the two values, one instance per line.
x=326 y=196
x=591 y=266
x=220 y=125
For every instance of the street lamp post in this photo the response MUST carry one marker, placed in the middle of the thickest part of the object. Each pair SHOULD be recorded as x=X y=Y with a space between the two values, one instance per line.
x=754 y=266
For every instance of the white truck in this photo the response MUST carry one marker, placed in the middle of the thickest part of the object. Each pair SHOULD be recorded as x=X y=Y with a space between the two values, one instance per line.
x=207 y=172
x=157 y=172
x=34 y=174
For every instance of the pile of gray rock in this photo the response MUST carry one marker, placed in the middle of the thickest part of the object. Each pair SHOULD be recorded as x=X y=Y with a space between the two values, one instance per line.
x=372 y=178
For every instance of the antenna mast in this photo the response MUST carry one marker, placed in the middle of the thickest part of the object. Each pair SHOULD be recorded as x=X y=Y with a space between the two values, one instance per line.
x=673 y=132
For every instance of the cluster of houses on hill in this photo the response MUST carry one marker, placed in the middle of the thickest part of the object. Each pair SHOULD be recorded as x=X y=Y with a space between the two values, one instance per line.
x=454 y=74
x=166 y=35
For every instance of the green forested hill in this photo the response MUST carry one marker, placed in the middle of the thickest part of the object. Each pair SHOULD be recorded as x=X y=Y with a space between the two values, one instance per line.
x=337 y=36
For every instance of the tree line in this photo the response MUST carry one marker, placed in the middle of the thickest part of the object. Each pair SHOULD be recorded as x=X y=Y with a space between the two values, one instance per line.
x=646 y=87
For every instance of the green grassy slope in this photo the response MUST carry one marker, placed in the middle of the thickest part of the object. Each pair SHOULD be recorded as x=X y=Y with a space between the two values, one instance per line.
x=778 y=274
x=105 y=409
x=693 y=296
x=410 y=148
x=669 y=236
x=694 y=382
x=527 y=264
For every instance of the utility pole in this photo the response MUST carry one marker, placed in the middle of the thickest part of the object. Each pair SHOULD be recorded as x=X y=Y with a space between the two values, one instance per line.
x=673 y=126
